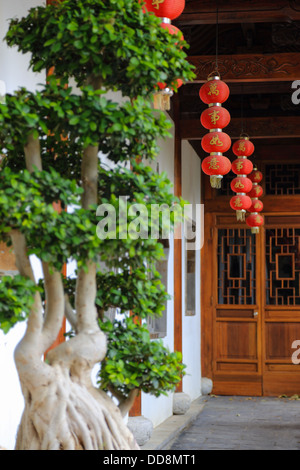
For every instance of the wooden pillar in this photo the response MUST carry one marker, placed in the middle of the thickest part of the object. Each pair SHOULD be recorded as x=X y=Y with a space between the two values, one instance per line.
x=178 y=240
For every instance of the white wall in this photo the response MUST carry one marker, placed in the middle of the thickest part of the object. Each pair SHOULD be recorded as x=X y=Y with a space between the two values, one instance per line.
x=14 y=72
x=159 y=409
x=191 y=325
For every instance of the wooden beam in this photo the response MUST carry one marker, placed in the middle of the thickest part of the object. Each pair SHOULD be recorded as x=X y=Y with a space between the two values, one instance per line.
x=257 y=128
x=236 y=11
x=249 y=67
x=177 y=241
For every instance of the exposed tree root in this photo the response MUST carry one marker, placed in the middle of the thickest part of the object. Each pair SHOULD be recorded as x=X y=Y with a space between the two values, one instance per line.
x=66 y=415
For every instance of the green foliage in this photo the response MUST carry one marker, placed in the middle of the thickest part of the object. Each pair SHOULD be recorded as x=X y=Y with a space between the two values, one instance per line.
x=135 y=361
x=16 y=298
x=138 y=290
x=112 y=40
x=103 y=45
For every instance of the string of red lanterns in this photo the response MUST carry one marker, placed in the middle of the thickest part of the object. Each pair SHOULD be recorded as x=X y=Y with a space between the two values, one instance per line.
x=214 y=93
x=241 y=184
x=255 y=220
x=166 y=10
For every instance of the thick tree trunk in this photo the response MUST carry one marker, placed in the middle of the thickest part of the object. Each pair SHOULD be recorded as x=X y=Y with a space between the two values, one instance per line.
x=64 y=411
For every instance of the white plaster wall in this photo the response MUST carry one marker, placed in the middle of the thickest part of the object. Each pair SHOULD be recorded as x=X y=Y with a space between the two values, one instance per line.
x=191 y=325
x=14 y=72
x=159 y=409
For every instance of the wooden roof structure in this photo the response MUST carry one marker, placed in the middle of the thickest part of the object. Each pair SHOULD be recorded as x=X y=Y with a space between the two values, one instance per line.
x=257 y=46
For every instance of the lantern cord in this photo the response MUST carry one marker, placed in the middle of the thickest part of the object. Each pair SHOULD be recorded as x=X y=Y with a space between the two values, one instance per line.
x=217 y=36
x=242 y=110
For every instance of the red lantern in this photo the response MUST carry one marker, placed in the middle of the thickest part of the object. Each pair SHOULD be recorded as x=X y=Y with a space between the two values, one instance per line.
x=256 y=191
x=241 y=184
x=215 y=117
x=254 y=221
x=216 y=141
x=172 y=29
x=216 y=166
x=256 y=205
x=165 y=8
x=242 y=166
x=240 y=203
x=256 y=176
x=162 y=97
x=243 y=147
x=214 y=91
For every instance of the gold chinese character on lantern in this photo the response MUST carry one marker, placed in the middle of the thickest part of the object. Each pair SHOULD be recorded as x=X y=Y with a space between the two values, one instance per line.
x=257 y=177
x=213 y=89
x=216 y=141
x=214 y=116
x=242 y=147
x=213 y=164
x=257 y=190
x=156 y=3
x=257 y=219
x=239 y=185
x=239 y=166
x=257 y=205
x=238 y=202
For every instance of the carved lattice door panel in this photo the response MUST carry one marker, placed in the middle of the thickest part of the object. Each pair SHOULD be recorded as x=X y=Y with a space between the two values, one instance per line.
x=253 y=316
x=281 y=326
x=236 y=322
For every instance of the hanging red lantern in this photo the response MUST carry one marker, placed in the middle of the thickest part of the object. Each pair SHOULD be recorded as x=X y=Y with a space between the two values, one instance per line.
x=172 y=29
x=256 y=191
x=165 y=8
x=256 y=176
x=241 y=184
x=215 y=117
x=242 y=166
x=240 y=203
x=256 y=205
x=216 y=141
x=255 y=221
x=216 y=166
x=162 y=98
x=243 y=147
x=214 y=91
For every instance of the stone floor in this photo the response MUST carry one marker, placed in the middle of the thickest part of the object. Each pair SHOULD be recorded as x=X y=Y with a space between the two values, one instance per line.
x=243 y=423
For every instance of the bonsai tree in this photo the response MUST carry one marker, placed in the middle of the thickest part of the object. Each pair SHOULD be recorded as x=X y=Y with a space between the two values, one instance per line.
x=52 y=143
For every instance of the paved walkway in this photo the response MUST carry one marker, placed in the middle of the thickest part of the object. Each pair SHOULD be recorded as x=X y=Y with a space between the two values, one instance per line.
x=243 y=423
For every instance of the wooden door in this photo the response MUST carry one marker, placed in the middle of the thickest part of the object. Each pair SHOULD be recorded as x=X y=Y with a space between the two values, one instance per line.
x=251 y=305
x=281 y=321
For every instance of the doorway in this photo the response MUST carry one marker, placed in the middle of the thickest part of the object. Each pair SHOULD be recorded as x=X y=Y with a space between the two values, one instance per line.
x=251 y=304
